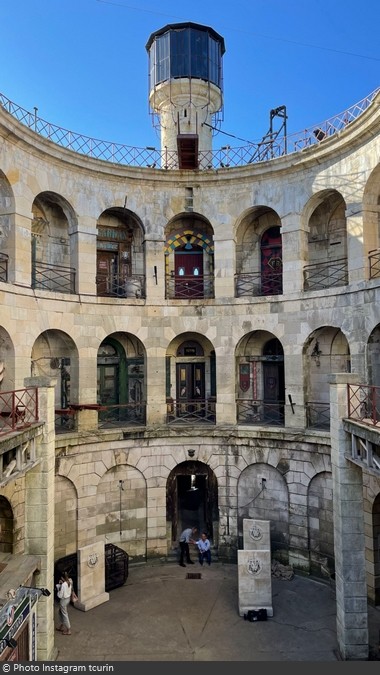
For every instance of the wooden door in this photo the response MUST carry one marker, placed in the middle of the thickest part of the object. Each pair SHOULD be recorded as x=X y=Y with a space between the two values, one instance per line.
x=188 y=274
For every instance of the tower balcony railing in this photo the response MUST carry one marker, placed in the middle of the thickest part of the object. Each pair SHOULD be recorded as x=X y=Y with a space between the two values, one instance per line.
x=4 y=267
x=18 y=409
x=364 y=404
x=190 y=412
x=189 y=287
x=374 y=263
x=325 y=275
x=260 y=412
x=317 y=415
x=225 y=157
x=56 y=278
x=258 y=284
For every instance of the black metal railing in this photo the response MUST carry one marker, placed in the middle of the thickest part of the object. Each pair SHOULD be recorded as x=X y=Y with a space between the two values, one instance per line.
x=190 y=412
x=56 y=278
x=255 y=284
x=121 y=415
x=225 y=157
x=325 y=275
x=317 y=415
x=4 y=267
x=18 y=409
x=121 y=286
x=364 y=403
x=189 y=287
x=374 y=264
x=260 y=412
x=65 y=420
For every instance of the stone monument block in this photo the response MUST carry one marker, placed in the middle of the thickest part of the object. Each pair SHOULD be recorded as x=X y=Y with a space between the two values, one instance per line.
x=91 y=577
x=256 y=534
x=255 y=581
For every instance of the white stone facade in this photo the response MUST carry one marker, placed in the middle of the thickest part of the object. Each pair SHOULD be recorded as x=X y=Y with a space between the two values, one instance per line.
x=124 y=483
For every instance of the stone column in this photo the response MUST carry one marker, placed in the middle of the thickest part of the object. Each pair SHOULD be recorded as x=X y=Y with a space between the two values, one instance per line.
x=357 y=259
x=294 y=253
x=154 y=269
x=349 y=545
x=39 y=513
x=156 y=407
x=224 y=268
x=83 y=256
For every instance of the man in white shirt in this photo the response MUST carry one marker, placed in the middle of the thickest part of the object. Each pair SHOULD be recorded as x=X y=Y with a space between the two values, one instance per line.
x=185 y=539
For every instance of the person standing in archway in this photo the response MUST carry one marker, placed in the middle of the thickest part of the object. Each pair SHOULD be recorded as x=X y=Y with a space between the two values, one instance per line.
x=186 y=538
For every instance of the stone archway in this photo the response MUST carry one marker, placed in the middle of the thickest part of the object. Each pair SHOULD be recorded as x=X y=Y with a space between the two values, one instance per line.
x=192 y=500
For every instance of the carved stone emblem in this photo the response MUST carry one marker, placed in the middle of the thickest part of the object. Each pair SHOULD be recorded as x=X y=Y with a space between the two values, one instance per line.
x=92 y=560
x=255 y=533
x=254 y=566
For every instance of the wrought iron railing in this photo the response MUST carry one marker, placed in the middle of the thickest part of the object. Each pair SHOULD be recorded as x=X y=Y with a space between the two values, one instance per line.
x=53 y=277
x=188 y=412
x=4 y=267
x=124 y=414
x=18 y=409
x=364 y=404
x=258 y=284
x=325 y=275
x=189 y=287
x=363 y=450
x=374 y=264
x=121 y=286
x=317 y=415
x=225 y=157
x=260 y=413
x=65 y=420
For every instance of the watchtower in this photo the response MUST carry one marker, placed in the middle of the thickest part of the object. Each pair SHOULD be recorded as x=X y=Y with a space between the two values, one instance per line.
x=185 y=91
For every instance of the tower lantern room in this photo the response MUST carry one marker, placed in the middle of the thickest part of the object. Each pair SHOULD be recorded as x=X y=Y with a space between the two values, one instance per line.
x=185 y=91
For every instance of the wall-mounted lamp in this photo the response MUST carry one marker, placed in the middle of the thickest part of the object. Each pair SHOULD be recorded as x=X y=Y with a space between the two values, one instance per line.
x=155 y=273
x=11 y=642
x=316 y=354
x=319 y=134
x=43 y=591
x=192 y=483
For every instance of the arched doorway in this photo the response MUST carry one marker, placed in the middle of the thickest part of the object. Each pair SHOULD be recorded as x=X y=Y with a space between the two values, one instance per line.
x=192 y=500
x=271 y=261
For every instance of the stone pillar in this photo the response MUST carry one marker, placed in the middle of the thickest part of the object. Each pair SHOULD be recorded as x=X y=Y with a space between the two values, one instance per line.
x=225 y=406
x=157 y=544
x=225 y=264
x=295 y=414
x=20 y=271
x=294 y=253
x=83 y=256
x=91 y=577
x=39 y=513
x=156 y=407
x=357 y=259
x=154 y=269
x=349 y=544
x=255 y=567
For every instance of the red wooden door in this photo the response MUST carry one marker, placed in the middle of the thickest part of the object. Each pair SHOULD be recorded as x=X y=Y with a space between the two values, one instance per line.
x=188 y=274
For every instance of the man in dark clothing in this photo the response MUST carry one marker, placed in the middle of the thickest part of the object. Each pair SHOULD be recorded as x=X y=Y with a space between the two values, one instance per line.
x=185 y=539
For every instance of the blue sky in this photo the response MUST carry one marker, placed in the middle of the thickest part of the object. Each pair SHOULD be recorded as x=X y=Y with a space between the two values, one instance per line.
x=84 y=65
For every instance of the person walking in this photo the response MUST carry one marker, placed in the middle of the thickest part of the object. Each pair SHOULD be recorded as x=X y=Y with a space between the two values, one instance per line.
x=204 y=549
x=186 y=538
x=64 y=590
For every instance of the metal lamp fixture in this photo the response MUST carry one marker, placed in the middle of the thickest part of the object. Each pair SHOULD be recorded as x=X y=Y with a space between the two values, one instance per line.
x=11 y=642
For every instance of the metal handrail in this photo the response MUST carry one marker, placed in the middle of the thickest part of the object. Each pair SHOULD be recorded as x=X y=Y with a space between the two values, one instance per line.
x=18 y=409
x=4 y=258
x=374 y=263
x=185 y=412
x=150 y=157
x=53 y=277
x=259 y=412
x=258 y=284
x=363 y=402
x=121 y=415
x=325 y=274
x=188 y=287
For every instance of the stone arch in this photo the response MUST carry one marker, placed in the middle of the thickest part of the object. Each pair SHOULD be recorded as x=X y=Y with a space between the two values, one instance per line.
x=65 y=517
x=263 y=495
x=321 y=525
x=192 y=500
x=121 y=511
x=6 y=526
